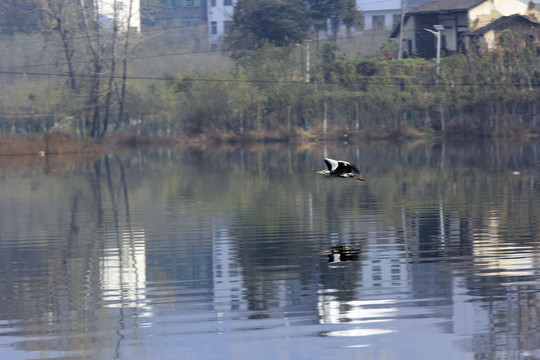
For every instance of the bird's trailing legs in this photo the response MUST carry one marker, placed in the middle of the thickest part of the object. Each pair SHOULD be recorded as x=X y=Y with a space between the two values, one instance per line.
x=354 y=177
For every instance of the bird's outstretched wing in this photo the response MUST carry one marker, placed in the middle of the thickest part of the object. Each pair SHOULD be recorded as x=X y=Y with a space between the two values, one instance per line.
x=347 y=167
x=331 y=164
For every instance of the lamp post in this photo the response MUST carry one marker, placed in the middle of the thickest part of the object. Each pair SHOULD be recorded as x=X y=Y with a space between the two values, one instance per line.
x=438 y=36
x=306 y=48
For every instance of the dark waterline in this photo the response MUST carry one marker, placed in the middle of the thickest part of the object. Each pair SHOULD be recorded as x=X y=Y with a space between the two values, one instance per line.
x=246 y=253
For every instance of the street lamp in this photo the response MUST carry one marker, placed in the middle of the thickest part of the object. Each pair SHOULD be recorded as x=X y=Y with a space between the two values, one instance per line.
x=438 y=36
x=306 y=48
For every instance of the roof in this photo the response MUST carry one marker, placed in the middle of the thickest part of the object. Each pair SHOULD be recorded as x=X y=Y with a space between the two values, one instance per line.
x=446 y=5
x=504 y=20
x=436 y=6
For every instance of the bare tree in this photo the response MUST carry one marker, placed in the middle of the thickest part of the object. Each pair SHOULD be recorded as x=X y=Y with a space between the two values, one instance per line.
x=112 y=70
x=90 y=34
x=59 y=14
x=126 y=49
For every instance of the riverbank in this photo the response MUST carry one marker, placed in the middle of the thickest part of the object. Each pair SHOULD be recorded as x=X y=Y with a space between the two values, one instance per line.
x=61 y=143
x=53 y=143
x=48 y=143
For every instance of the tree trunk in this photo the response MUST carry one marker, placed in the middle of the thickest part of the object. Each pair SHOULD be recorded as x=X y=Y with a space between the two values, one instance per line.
x=112 y=73
x=121 y=101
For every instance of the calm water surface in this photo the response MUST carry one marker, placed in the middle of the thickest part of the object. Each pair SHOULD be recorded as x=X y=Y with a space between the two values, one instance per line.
x=232 y=253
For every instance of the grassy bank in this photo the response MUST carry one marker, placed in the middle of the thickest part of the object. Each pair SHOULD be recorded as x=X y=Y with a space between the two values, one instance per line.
x=53 y=143
x=48 y=143
x=263 y=97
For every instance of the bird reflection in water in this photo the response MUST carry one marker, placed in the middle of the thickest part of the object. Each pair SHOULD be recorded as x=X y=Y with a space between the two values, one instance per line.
x=342 y=253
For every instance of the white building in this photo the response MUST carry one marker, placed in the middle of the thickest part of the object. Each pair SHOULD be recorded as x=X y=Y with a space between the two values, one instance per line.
x=126 y=12
x=220 y=14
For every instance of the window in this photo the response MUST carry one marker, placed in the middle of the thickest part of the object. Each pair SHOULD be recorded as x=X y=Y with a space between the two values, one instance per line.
x=378 y=22
x=213 y=28
x=213 y=3
x=227 y=2
x=396 y=20
x=120 y=5
x=190 y=3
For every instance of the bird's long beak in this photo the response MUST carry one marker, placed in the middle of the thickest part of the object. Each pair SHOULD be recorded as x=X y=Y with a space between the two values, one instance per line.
x=320 y=172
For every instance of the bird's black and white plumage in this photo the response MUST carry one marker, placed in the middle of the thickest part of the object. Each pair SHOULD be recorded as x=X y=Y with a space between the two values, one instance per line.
x=340 y=168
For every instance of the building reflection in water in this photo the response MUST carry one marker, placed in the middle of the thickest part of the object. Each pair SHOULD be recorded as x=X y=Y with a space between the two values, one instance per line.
x=123 y=271
x=498 y=304
x=227 y=275
x=489 y=242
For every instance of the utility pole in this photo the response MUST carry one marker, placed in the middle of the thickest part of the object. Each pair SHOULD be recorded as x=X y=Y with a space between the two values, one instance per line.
x=401 y=24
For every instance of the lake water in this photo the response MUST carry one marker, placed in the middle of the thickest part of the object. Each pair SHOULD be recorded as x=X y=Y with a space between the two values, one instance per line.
x=246 y=253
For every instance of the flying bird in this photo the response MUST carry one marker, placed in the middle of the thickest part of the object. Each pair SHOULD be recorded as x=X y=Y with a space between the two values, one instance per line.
x=340 y=168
